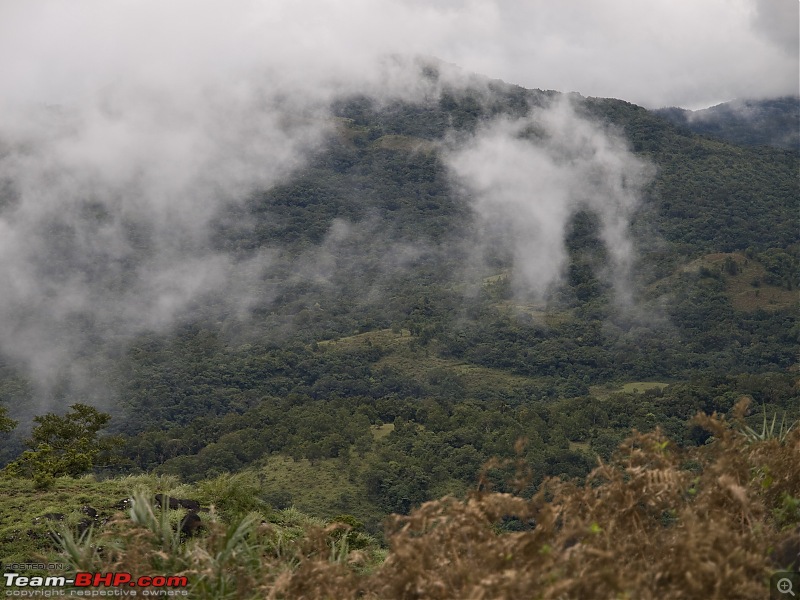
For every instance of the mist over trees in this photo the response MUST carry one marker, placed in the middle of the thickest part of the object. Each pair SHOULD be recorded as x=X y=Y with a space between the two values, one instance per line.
x=438 y=278
x=377 y=297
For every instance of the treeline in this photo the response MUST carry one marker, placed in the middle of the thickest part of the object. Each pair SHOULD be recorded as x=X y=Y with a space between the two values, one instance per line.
x=438 y=441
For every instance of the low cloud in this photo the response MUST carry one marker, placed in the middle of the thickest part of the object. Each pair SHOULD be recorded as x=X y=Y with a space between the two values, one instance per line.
x=107 y=206
x=527 y=178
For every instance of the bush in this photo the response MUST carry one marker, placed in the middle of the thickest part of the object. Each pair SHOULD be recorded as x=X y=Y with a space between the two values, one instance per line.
x=67 y=445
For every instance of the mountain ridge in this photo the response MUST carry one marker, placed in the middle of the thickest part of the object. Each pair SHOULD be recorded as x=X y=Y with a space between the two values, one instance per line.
x=766 y=122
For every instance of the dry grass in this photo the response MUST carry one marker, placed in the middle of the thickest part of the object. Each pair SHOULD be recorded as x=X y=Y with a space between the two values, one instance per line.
x=655 y=522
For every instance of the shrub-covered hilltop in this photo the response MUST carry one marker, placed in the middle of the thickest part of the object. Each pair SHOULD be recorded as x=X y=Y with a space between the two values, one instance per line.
x=397 y=356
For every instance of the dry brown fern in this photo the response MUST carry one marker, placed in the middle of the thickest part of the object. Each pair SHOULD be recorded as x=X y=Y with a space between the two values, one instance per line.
x=642 y=526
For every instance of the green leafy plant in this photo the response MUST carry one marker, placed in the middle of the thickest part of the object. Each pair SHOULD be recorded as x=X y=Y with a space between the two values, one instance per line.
x=64 y=445
x=768 y=430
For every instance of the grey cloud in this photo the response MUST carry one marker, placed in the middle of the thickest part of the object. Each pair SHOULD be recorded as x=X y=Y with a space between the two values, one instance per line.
x=657 y=53
x=778 y=21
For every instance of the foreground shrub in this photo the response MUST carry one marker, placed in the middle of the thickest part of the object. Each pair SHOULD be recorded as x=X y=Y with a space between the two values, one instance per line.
x=656 y=522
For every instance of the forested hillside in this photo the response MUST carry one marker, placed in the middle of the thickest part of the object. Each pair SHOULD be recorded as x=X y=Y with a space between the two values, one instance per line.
x=772 y=122
x=400 y=338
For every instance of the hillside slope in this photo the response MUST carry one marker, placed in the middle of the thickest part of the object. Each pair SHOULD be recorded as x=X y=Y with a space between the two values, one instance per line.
x=379 y=288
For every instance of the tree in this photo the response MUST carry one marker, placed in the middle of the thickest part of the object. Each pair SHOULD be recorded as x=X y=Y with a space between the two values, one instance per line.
x=64 y=445
x=6 y=422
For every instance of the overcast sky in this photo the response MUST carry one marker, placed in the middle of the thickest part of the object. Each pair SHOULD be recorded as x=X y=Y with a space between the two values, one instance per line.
x=690 y=53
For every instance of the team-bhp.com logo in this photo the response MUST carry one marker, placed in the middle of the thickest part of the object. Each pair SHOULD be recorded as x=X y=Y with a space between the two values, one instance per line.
x=96 y=584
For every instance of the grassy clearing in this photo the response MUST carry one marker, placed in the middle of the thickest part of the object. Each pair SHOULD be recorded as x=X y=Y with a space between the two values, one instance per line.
x=476 y=379
x=538 y=311
x=632 y=387
x=403 y=142
x=579 y=446
x=381 y=431
x=326 y=487
x=419 y=363
x=495 y=278
x=746 y=289
x=747 y=297
x=637 y=387
x=386 y=339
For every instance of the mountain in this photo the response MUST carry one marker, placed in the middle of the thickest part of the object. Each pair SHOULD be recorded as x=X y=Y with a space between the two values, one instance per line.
x=438 y=279
x=771 y=122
